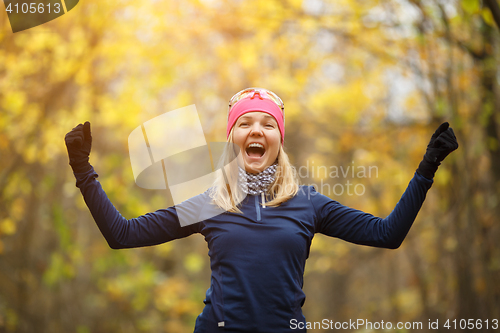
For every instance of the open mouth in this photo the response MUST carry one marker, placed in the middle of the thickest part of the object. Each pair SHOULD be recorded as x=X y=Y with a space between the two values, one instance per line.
x=255 y=150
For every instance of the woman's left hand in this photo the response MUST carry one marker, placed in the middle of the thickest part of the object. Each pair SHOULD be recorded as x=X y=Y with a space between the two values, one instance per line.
x=442 y=143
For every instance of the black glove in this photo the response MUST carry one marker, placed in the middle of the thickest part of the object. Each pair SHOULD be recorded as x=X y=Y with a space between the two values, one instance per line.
x=79 y=143
x=443 y=142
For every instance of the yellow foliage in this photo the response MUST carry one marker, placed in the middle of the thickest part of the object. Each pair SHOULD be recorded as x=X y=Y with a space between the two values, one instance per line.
x=409 y=302
x=18 y=207
x=194 y=262
x=488 y=17
x=7 y=227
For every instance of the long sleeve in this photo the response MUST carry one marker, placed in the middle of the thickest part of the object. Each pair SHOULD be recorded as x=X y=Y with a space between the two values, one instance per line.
x=150 y=229
x=336 y=220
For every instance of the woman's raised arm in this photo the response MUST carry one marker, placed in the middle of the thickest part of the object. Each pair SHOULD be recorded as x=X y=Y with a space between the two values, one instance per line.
x=149 y=229
x=334 y=219
x=352 y=225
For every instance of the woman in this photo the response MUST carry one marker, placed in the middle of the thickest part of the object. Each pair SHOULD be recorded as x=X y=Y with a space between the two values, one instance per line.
x=259 y=243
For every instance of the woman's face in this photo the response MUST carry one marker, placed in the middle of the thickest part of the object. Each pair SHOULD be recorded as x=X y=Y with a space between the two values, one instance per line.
x=258 y=136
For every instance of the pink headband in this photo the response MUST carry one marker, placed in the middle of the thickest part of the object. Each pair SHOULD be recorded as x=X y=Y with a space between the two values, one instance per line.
x=251 y=104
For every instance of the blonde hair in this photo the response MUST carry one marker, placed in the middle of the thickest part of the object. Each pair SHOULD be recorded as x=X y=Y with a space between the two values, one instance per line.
x=226 y=193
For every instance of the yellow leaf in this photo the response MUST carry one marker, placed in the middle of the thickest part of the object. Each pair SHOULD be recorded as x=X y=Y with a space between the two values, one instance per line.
x=8 y=227
x=488 y=18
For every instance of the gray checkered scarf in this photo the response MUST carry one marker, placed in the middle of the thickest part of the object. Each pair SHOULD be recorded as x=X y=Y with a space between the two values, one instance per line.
x=257 y=183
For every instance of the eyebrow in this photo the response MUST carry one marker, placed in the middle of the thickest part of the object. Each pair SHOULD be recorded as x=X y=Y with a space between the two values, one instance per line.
x=268 y=117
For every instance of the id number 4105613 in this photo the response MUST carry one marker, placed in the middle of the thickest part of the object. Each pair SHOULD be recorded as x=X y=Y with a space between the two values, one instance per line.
x=33 y=8
x=471 y=324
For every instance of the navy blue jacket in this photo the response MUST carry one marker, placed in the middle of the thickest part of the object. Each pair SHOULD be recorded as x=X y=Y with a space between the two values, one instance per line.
x=257 y=258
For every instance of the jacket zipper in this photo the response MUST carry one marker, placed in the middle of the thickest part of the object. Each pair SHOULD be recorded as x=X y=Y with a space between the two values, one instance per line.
x=257 y=208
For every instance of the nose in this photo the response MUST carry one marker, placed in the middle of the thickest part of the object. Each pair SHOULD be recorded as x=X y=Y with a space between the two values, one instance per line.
x=256 y=129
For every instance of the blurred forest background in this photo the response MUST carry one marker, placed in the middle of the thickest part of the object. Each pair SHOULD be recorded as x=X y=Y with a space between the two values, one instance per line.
x=365 y=83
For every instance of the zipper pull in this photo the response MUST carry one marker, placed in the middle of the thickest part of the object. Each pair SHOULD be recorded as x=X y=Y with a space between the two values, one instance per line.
x=263 y=200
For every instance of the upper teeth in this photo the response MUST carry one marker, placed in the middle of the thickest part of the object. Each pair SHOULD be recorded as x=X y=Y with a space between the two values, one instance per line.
x=257 y=145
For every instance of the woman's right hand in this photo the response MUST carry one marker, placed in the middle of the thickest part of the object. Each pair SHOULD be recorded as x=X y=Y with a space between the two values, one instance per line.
x=79 y=143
